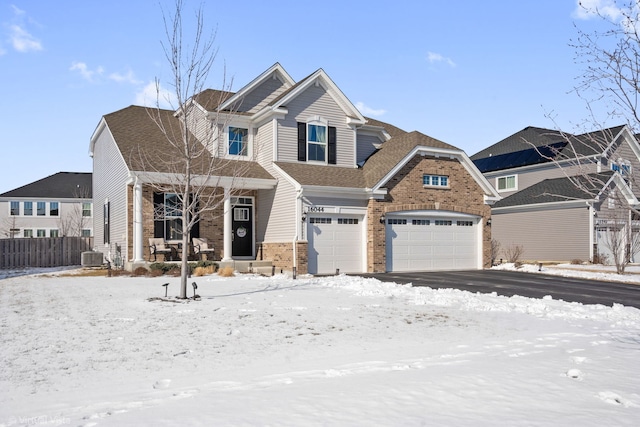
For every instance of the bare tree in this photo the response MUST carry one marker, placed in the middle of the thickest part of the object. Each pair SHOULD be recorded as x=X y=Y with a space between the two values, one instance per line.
x=611 y=77
x=191 y=164
x=72 y=222
x=10 y=227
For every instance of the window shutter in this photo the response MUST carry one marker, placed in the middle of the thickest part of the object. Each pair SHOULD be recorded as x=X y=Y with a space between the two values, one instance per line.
x=158 y=215
x=302 y=142
x=332 y=154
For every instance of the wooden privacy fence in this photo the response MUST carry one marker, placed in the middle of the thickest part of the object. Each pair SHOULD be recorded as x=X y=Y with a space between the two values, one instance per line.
x=43 y=251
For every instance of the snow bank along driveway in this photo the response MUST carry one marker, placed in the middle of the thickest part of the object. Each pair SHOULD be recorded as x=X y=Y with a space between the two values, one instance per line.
x=334 y=351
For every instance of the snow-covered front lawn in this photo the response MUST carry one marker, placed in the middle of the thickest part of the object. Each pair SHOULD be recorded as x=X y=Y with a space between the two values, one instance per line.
x=331 y=351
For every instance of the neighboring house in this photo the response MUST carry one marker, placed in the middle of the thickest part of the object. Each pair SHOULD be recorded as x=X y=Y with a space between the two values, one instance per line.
x=543 y=210
x=56 y=206
x=325 y=188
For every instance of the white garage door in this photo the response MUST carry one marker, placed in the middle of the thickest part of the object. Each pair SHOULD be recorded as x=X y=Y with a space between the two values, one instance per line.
x=335 y=242
x=423 y=242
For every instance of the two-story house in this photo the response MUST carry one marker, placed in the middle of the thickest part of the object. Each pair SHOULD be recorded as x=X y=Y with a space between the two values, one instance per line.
x=325 y=188
x=558 y=191
x=56 y=206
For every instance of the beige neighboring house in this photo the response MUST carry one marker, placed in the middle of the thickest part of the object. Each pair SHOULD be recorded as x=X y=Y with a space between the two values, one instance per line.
x=543 y=211
x=325 y=188
x=56 y=206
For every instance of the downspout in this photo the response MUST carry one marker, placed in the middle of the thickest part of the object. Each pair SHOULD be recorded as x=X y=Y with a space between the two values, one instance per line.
x=298 y=221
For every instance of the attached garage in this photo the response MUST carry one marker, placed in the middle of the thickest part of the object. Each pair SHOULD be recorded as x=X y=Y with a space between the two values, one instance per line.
x=432 y=240
x=335 y=242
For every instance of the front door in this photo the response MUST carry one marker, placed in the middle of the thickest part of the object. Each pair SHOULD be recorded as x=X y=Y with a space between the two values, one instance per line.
x=242 y=226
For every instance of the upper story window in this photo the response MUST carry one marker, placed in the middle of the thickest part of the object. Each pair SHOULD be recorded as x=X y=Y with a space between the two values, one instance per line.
x=507 y=183
x=86 y=208
x=28 y=209
x=15 y=209
x=54 y=210
x=317 y=141
x=435 y=181
x=621 y=166
x=41 y=208
x=238 y=141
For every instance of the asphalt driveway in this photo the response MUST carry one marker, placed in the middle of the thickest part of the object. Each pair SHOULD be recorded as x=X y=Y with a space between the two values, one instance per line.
x=509 y=283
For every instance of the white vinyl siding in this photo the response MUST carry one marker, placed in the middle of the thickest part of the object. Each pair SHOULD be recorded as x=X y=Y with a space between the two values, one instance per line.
x=276 y=213
x=315 y=101
x=110 y=175
x=260 y=96
x=545 y=235
x=366 y=146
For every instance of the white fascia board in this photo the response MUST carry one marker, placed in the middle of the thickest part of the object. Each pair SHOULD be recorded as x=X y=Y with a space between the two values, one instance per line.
x=287 y=177
x=629 y=138
x=622 y=185
x=568 y=204
x=96 y=133
x=376 y=131
x=275 y=71
x=269 y=113
x=444 y=152
x=202 y=181
x=352 y=193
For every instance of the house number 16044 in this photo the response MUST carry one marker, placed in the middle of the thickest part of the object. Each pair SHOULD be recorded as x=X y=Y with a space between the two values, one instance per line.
x=315 y=209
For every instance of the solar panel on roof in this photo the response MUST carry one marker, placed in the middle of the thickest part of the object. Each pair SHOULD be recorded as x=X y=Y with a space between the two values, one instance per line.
x=516 y=159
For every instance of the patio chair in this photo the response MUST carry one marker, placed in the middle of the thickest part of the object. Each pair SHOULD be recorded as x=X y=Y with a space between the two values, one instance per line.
x=201 y=246
x=157 y=246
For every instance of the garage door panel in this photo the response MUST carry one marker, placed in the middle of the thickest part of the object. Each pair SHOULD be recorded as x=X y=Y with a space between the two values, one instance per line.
x=426 y=243
x=335 y=242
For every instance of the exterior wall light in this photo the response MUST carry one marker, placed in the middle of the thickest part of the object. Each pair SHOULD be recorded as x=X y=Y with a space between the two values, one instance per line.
x=382 y=219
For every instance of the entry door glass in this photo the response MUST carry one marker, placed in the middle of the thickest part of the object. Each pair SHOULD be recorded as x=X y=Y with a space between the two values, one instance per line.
x=242 y=225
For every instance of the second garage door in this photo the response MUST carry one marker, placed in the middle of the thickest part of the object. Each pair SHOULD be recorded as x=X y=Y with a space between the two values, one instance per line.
x=335 y=242
x=428 y=241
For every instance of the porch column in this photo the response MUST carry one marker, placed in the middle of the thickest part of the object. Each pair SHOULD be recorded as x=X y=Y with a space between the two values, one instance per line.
x=138 y=254
x=228 y=232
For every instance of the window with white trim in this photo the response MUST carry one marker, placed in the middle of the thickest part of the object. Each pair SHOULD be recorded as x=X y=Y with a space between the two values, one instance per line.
x=27 y=232
x=420 y=222
x=347 y=220
x=320 y=220
x=15 y=209
x=398 y=221
x=54 y=233
x=86 y=208
x=41 y=233
x=443 y=222
x=41 y=210
x=506 y=183
x=317 y=141
x=28 y=210
x=238 y=141
x=441 y=181
x=54 y=210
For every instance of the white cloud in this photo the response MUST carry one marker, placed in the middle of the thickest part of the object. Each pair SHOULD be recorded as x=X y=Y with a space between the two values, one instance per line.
x=129 y=77
x=367 y=111
x=433 y=58
x=153 y=96
x=22 y=41
x=586 y=9
x=85 y=72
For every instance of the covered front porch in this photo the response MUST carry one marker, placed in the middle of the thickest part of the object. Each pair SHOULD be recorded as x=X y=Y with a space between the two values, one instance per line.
x=228 y=226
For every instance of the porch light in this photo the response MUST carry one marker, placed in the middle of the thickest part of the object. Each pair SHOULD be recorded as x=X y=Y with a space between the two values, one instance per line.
x=382 y=219
x=304 y=218
x=489 y=222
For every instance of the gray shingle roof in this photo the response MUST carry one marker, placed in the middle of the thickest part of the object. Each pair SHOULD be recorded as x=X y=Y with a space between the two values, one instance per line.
x=326 y=176
x=61 y=185
x=556 y=190
x=145 y=147
x=393 y=151
x=565 y=146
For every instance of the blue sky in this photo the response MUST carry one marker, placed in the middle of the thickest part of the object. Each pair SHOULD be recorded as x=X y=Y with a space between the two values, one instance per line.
x=469 y=73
